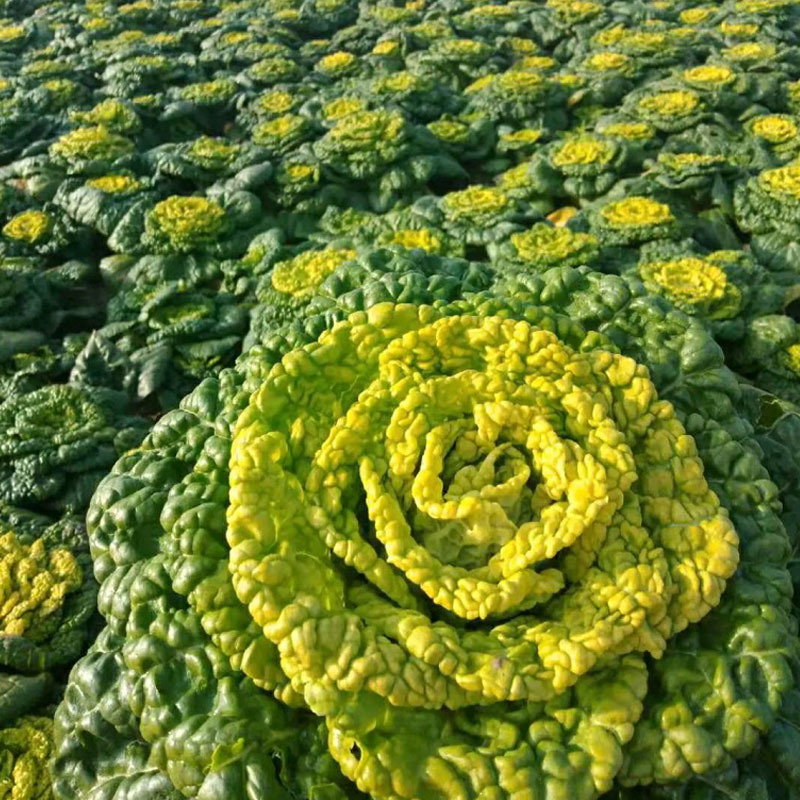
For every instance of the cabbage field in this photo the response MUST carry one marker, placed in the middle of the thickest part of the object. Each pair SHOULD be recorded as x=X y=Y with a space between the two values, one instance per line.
x=399 y=400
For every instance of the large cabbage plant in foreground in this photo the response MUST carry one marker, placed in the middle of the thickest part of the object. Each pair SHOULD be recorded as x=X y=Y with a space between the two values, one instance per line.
x=520 y=545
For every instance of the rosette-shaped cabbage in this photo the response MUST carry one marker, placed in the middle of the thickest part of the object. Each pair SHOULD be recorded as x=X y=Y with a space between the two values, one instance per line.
x=609 y=76
x=42 y=232
x=730 y=91
x=469 y=139
x=727 y=288
x=13 y=37
x=536 y=182
x=116 y=116
x=667 y=110
x=292 y=281
x=574 y=19
x=695 y=284
x=752 y=55
x=209 y=104
x=455 y=62
x=142 y=74
x=770 y=201
x=93 y=148
x=768 y=205
x=700 y=179
x=519 y=143
x=45 y=67
x=334 y=66
x=471 y=546
x=651 y=48
x=276 y=102
x=588 y=166
x=297 y=181
x=632 y=221
x=31 y=227
x=284 y=133
x=210 y=93
x=55 y=96
x=57 y=442
x=34 y=585
x=420 y=98
x=363 y=144
x=221 y=224
x=47 y=592
x=383 y=155
x=25 y=749
x=778 y=132
x=544 y=246
x=276 y=69
x=517 y=97
x=160 y=342
x=205 y=159
x=183 y=224
x=638 y=135
x=431 y=240
x=609 y=61
x=30 y=361
x=332 y=110
x=477 y=215
x=499 y=554
x=300 y=276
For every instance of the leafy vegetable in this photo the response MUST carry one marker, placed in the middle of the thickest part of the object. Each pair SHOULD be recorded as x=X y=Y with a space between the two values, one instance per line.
x=57 y=443
x=462 y=420
x=448 y=355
